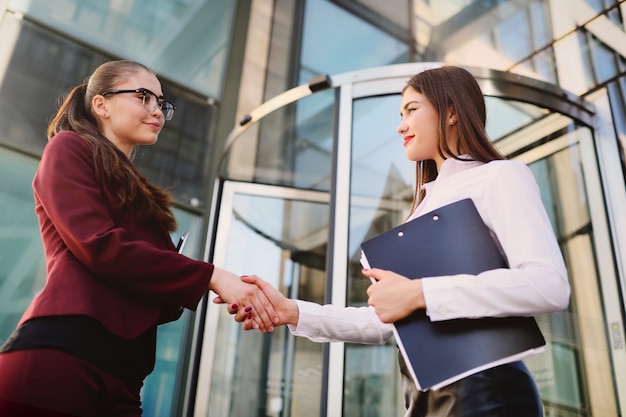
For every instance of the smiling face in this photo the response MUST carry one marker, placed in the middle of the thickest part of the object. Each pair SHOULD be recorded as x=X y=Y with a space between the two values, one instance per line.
x=123 y=118
x=418 y=127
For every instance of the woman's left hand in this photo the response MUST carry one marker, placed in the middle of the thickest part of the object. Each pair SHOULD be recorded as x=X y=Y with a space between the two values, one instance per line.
x=253 y=301
x=394 y=296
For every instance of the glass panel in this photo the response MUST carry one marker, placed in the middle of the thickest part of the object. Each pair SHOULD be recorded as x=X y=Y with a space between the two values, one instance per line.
x=185 y=40
x=22 y=264
x=283 y=240
x=617 y=97
x=43 y=65
x=502 y=33
x=544 y=65
x=165 y=385
x=541 y=27
x=506 y=116
x=380 y=193
x=293 y=146
x=335 y=41
x=513 y=36
x=575 y=370
x=604 y=60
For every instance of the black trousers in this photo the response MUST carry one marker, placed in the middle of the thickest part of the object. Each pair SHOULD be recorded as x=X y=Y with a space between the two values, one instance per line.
x=504 y=391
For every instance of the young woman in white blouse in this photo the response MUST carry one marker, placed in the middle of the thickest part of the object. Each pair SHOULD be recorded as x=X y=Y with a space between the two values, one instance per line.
x=443 y=128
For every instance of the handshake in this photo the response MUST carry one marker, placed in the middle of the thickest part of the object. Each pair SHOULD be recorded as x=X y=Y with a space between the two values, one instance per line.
x=254 y=302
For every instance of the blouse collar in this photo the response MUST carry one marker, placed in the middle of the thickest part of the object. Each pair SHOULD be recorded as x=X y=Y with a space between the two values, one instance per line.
x=452 y=166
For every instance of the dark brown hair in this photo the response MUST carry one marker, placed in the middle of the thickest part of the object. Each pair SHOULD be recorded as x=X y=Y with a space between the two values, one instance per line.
x=453 y=87
x=136 y=194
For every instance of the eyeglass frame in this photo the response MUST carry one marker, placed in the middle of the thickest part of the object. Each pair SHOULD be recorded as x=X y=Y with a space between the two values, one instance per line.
x=160 y=101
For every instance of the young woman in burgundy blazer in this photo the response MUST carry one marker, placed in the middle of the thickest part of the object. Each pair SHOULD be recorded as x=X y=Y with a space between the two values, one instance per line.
x=87 y=341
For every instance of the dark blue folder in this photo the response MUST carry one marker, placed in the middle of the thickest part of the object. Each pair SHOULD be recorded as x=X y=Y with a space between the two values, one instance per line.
x=447 y=241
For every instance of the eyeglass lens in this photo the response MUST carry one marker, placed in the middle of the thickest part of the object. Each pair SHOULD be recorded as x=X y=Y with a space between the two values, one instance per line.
x=151 y=102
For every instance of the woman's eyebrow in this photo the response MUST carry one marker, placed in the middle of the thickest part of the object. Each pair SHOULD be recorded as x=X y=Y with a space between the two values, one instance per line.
x=407 y=104
x=410 y=102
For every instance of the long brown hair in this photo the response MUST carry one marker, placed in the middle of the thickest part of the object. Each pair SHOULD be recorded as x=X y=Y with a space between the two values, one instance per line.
x=136 y=194
x=453 y=87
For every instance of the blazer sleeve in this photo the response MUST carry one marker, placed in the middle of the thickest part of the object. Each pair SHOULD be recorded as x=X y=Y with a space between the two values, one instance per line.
x=141 y=262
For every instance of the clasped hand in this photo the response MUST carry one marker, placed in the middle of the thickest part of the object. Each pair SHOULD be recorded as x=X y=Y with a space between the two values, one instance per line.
x=392 y=295
x=245 y=297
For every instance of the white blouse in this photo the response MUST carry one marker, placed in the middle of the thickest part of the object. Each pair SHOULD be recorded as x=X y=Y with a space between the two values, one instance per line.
x=508 y=200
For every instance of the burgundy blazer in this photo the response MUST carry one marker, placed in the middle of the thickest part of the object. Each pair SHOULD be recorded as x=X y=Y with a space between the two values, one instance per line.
x=124 y=272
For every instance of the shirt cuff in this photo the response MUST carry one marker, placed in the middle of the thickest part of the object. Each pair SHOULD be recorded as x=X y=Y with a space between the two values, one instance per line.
x=306 y=312
x=441 y=303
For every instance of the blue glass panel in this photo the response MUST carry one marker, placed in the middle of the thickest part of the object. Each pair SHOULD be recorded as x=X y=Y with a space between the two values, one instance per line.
x=167 y=382
x=514 y=36
x=381 y=189
x=335 y=41
x=604 y=60
x=293 y=145
x=22 y=264
x=185 y=40
x=541 y=28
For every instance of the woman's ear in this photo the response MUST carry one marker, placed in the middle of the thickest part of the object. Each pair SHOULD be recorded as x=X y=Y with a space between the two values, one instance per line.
x=100 y=106
x=452 y=117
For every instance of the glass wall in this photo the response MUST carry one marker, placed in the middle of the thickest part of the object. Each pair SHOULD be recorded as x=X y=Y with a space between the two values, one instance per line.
x=381 y=191
x=22 y=265
x=335 y=41
x=574 y=375
x=331 y=40
x=184 y=40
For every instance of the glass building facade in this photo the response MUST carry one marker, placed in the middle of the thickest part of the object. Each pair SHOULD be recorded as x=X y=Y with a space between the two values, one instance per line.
x=283 y=157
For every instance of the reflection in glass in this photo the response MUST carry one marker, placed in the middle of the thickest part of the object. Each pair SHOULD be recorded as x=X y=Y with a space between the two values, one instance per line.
x=335 y=41
x=381 y=190
x=575 y=370
x=22 y=263
x=187 y=41
x=283 y=241
x=173 y=339
x=507 y=116
x=291 y=146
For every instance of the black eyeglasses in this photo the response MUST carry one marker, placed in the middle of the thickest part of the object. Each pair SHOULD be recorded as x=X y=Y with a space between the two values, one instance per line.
x=150 y=101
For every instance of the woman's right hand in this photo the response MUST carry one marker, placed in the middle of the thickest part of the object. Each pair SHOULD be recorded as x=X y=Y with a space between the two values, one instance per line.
x=250 y=301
